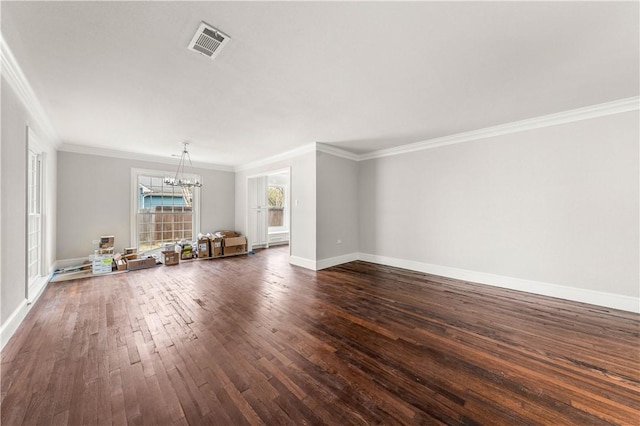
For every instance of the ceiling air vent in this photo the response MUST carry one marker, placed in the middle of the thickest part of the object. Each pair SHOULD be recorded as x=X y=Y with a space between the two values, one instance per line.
x=208 y=41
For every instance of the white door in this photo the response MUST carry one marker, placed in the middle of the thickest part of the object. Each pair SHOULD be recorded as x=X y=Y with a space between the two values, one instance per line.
x=258 y=227
x=258 y=212
x=268 y=212
x=258 y=192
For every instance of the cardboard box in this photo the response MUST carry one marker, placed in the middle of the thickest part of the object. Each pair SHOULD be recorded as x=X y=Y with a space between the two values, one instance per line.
x=102 y=263
x=107 y=241
x=235 y=245
x=226 y=234
x=130 y=253
x=140 y=263
x=119 y=262
x=204 y=249
x=216 y=247
x=120 y=265
x=104 y=251
x=186 y=252
x=170 y=257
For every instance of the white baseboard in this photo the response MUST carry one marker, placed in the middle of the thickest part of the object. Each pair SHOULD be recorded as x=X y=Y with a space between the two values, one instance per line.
x=65 y=263
x=316 y=265
x=338 y=260
x=301 y=261
x=36 y=289
x=610 y=300
x=13 y=322
x=15 y=319
x=278 y=243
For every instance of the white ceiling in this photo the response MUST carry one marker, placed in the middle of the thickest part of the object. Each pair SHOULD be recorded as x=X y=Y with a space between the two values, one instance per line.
x=361 y=76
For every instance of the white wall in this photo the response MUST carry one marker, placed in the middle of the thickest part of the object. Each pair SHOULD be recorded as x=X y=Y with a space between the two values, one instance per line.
x=13 y=226
x=337 y=206
x=555 y=205
x=2 y=320
x=94 y=199
x=324 y=207
x=303 y=214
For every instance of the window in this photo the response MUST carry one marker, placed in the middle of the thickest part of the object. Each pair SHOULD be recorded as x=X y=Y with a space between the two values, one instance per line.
x=163 y=213
x=34 y=237
x=276 y=202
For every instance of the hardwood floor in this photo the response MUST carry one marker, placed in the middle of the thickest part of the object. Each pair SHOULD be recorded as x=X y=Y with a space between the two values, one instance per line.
x=253 y=340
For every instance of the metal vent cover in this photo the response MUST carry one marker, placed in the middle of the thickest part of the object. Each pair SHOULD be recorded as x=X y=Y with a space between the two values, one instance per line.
x=208 y=41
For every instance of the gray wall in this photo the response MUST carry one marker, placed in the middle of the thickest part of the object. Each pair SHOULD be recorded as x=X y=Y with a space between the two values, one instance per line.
x=303 y=190
x=13 y=192
x=14 y=187
x=337 y=206
x=558 y=205
x=94 y=199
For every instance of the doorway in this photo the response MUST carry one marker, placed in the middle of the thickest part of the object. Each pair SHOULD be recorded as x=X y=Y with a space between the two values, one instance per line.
x=269 y=209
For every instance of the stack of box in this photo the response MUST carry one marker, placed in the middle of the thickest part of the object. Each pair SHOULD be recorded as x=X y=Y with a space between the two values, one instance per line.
x=185 y=249
x=204 y=246
x=216 y=246
x=107 y=242
x=170 y=257
x=130 y=253
x=119 y=262
x=103 y=257
x=220 y=244
x=230 y=242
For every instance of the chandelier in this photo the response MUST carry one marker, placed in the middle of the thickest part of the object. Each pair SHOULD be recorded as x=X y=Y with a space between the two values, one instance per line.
x=179 y=179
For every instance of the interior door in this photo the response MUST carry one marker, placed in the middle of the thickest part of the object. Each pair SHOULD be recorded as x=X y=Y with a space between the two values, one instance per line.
x=257 y=215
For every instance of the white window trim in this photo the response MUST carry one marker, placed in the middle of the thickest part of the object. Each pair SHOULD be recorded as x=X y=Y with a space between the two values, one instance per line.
x=35 y=285
x=33 y=154
x=134 y=201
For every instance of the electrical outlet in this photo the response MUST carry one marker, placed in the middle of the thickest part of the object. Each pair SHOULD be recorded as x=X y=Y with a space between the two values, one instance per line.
x=95 y=242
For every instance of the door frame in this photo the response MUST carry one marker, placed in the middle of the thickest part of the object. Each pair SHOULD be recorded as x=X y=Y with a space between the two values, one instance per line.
x=288 y=200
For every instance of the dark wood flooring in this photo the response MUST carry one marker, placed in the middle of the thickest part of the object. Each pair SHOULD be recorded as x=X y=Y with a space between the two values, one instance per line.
x=253 y=340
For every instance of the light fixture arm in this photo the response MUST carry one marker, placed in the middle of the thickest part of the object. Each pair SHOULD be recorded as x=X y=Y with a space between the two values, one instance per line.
x=178 y=179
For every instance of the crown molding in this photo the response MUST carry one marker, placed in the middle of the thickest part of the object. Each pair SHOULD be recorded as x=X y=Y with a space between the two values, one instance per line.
x=594 y=111
x=337 y=152
x=305 y=149
x=103 y=152
x=585 y=113
x=12 y=72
